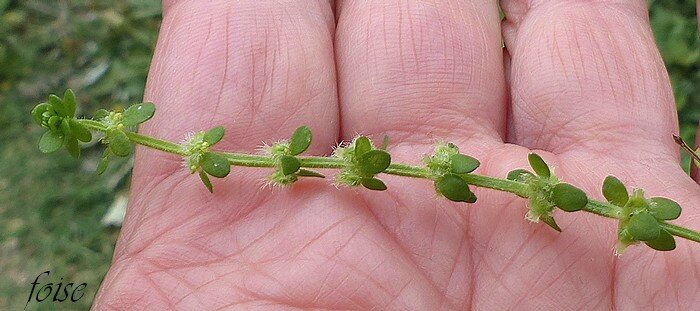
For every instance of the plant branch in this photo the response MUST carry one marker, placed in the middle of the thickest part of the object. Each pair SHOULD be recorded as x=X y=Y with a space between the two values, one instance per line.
x=604 y=209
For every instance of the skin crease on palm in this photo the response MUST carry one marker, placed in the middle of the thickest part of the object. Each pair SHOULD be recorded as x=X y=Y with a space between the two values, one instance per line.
x=581 y=82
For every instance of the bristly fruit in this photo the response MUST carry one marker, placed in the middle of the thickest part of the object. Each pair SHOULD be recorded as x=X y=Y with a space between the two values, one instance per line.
x=288 y=165
x=362 y=163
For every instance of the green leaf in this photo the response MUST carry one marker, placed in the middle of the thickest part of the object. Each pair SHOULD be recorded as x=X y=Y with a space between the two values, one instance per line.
x=471 y=197
x=72 y=146
x=549 y=220
x=663 y=208
x=615 y=191
x=58 y=106
x=51 y=141
x=101 y=114
x=362 y=146
x=309 y=173
x=643 y=227
x=119 y=144
x=104 y=163
x=462 y=164
x=374 y=162
x=138 y=113
x=290 y=164
x=454 y=188
x=38 y=111
x=539 y=165
x=519 y=175
x=665 y=242
x=54 y=123
x=216 y=165
x=207 y=183
x=80 y=131
x=69 y=102
x=385 y=142
x=214 y=135
x=301 y=140
x=569 y=198
x=65 y=128
x=373 y=184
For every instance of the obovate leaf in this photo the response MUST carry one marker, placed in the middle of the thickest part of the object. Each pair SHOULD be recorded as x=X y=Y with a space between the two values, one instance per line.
x=615 y=191
x=539 y=165
x=454 y=188
x=569 y=198
x=216 y=165
x=138 y=113
x=214 y=135
x=290 y=164
x=362 y=146
x=665 y=242
x=80 y=131
x=462 y=164
x=643 y=227
x=119 y=144
x=65 y=127
x=663 y=208
x=58 y=106
x=374 y=162
x=51 y=141
x=72 y=146
x=69 y=102
x=301 y=140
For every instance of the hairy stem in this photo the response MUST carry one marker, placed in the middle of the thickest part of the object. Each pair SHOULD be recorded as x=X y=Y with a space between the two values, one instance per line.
x=604 y=209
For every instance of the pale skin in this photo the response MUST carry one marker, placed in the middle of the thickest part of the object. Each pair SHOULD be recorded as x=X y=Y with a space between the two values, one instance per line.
x=580 y=82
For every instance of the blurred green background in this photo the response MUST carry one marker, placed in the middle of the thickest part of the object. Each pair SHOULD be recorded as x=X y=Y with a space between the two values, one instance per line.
x=51 y=207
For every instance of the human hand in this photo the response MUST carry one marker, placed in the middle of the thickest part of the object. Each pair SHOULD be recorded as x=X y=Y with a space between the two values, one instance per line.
x=583 y=84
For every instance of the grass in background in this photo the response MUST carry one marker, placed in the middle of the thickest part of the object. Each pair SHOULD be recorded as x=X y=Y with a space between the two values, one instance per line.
x=676 y=30
x=51 y=206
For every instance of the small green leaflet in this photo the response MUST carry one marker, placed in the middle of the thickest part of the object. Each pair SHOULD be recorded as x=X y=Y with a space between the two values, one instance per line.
x=138 y=113
x=214 y=135
x=615 y=191
x=301 y=140
x=539 y=165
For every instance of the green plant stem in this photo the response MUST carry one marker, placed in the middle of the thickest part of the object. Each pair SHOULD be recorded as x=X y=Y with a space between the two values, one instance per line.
x=604 y=209
x=681 y=232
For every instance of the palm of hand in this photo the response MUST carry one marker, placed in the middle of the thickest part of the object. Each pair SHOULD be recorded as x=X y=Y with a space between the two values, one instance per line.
x=262 y=73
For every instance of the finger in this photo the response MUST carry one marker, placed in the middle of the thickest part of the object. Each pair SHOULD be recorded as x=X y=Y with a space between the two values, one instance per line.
x=419 y=70
x=258 y=68
x=588 y=76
